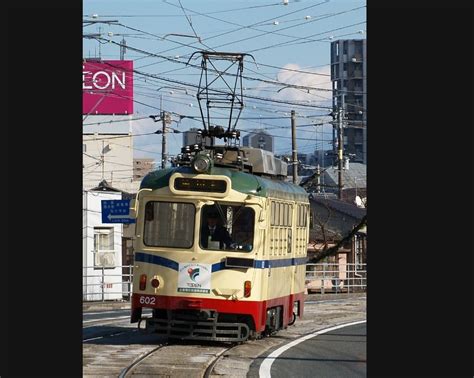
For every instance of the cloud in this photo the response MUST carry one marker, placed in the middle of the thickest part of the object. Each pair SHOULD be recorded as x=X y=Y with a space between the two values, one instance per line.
x=311 y=78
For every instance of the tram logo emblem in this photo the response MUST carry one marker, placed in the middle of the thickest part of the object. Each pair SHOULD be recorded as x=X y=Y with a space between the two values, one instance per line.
x=194 y=278
x=193 y=273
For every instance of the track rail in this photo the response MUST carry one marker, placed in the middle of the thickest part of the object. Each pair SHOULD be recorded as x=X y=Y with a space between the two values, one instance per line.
x=130 y=368
x=213 y=363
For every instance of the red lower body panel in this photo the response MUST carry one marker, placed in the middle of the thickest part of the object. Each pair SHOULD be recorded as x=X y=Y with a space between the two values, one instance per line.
x=257 y=310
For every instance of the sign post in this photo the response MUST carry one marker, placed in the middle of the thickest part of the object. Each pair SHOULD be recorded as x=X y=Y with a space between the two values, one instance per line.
x=116 y=211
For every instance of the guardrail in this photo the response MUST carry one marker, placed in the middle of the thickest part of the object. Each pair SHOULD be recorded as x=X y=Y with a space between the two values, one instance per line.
x=115 y=283
x=107 y=283
x=336 y=278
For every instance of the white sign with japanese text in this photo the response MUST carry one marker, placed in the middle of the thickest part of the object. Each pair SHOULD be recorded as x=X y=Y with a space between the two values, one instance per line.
x=194 y=278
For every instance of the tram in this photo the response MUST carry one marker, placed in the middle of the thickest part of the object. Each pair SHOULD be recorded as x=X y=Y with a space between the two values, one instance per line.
x=201 y=289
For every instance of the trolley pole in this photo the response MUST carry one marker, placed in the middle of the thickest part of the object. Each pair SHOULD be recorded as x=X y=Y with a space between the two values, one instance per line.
x=293 y=147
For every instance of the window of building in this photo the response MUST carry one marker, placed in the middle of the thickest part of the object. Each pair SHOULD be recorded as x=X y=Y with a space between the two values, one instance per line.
x=103 y=239
x=104 y=252
x=169 y=224
x=345 y=47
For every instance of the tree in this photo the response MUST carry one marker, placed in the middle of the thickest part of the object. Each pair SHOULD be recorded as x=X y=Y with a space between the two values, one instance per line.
x=325 y=252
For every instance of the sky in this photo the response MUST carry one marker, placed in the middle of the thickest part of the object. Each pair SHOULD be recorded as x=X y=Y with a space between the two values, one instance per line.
x=288 y=43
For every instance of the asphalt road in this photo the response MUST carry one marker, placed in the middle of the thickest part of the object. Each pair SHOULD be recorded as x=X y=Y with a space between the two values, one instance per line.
x=339 y=353
x=103 y=323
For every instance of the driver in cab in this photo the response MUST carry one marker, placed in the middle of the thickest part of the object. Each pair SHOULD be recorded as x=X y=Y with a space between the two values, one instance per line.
x=215 y=236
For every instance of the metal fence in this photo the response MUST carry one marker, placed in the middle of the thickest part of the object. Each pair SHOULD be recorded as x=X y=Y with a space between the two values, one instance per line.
x=336 y=278
x=108 y=284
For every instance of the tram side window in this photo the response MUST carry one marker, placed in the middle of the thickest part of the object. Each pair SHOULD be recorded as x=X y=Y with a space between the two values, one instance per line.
x=169 y=224
x=302 y=216
x=227 y=227
x=273 y=213
x=281 y=214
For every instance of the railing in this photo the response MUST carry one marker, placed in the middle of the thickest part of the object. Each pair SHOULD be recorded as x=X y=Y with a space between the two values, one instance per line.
x=336 y=278
x=106 y=283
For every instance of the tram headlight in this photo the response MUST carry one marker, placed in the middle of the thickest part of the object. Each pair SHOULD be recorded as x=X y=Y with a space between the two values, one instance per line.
x=201 y=164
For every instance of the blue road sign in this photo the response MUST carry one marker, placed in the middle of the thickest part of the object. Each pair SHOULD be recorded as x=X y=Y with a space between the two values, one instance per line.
x=116 y=211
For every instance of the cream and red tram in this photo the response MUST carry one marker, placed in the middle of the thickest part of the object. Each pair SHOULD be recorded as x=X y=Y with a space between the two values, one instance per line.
x=254 y=288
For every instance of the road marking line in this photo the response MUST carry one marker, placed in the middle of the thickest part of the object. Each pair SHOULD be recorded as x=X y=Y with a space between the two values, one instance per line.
x=110 y=312
x=102 y=319
x=103 y=312
x=266 y=365
x=102 y=337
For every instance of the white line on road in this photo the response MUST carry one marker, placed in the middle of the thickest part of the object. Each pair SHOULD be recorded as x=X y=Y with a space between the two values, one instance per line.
x=113 y=334
x=102 y=319
x=266 y=365
x=104 y=312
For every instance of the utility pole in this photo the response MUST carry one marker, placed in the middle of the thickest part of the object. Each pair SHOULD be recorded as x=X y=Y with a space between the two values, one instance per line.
x=100 y=29
x=123 y=45
x=103 y=159
x=318 y=173
x=293 y=147
x=340 y=144
x=164 y=118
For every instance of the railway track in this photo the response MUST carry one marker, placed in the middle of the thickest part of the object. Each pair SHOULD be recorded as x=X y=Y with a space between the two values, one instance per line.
x=125 y=352
x=210 y=368
x=129 y=369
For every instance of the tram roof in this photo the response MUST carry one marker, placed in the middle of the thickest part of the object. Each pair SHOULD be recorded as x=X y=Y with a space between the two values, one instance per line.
x=241 y=182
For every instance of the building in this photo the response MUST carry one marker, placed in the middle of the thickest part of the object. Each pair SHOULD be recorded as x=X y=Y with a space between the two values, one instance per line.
x=325 y=158
x=354 y=181
x=108 y=175
x=332 y=221
x=107 y=152
x=141 y=167
x=101 y=249
x=349 y=81
x=258 y=139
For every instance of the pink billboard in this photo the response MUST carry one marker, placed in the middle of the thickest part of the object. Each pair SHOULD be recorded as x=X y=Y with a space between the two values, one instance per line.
x=107 y=87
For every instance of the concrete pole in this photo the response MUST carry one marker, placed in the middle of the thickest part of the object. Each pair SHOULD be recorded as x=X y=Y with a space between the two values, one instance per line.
x=163 y=141
x=318 y=173
x=293 y=147
x=340 y=146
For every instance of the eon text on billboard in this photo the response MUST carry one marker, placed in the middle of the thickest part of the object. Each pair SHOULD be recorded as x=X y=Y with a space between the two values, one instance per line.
x=107 y=87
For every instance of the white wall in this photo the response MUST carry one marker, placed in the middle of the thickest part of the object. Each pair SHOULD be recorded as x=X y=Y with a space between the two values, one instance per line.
x=92 y=217
x=108 y=157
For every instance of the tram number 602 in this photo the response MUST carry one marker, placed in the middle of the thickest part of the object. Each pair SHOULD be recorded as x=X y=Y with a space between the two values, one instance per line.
x=147 y=300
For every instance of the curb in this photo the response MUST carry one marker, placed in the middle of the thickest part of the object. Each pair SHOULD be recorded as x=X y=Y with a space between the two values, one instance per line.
x=105 y=306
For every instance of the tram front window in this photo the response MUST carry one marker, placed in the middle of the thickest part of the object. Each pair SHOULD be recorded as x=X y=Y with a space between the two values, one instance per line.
x=169 y=224
x=227 y=227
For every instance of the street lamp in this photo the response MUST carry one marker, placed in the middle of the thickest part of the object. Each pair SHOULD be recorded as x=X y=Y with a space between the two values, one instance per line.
x=182 y=35
x=170 y=87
